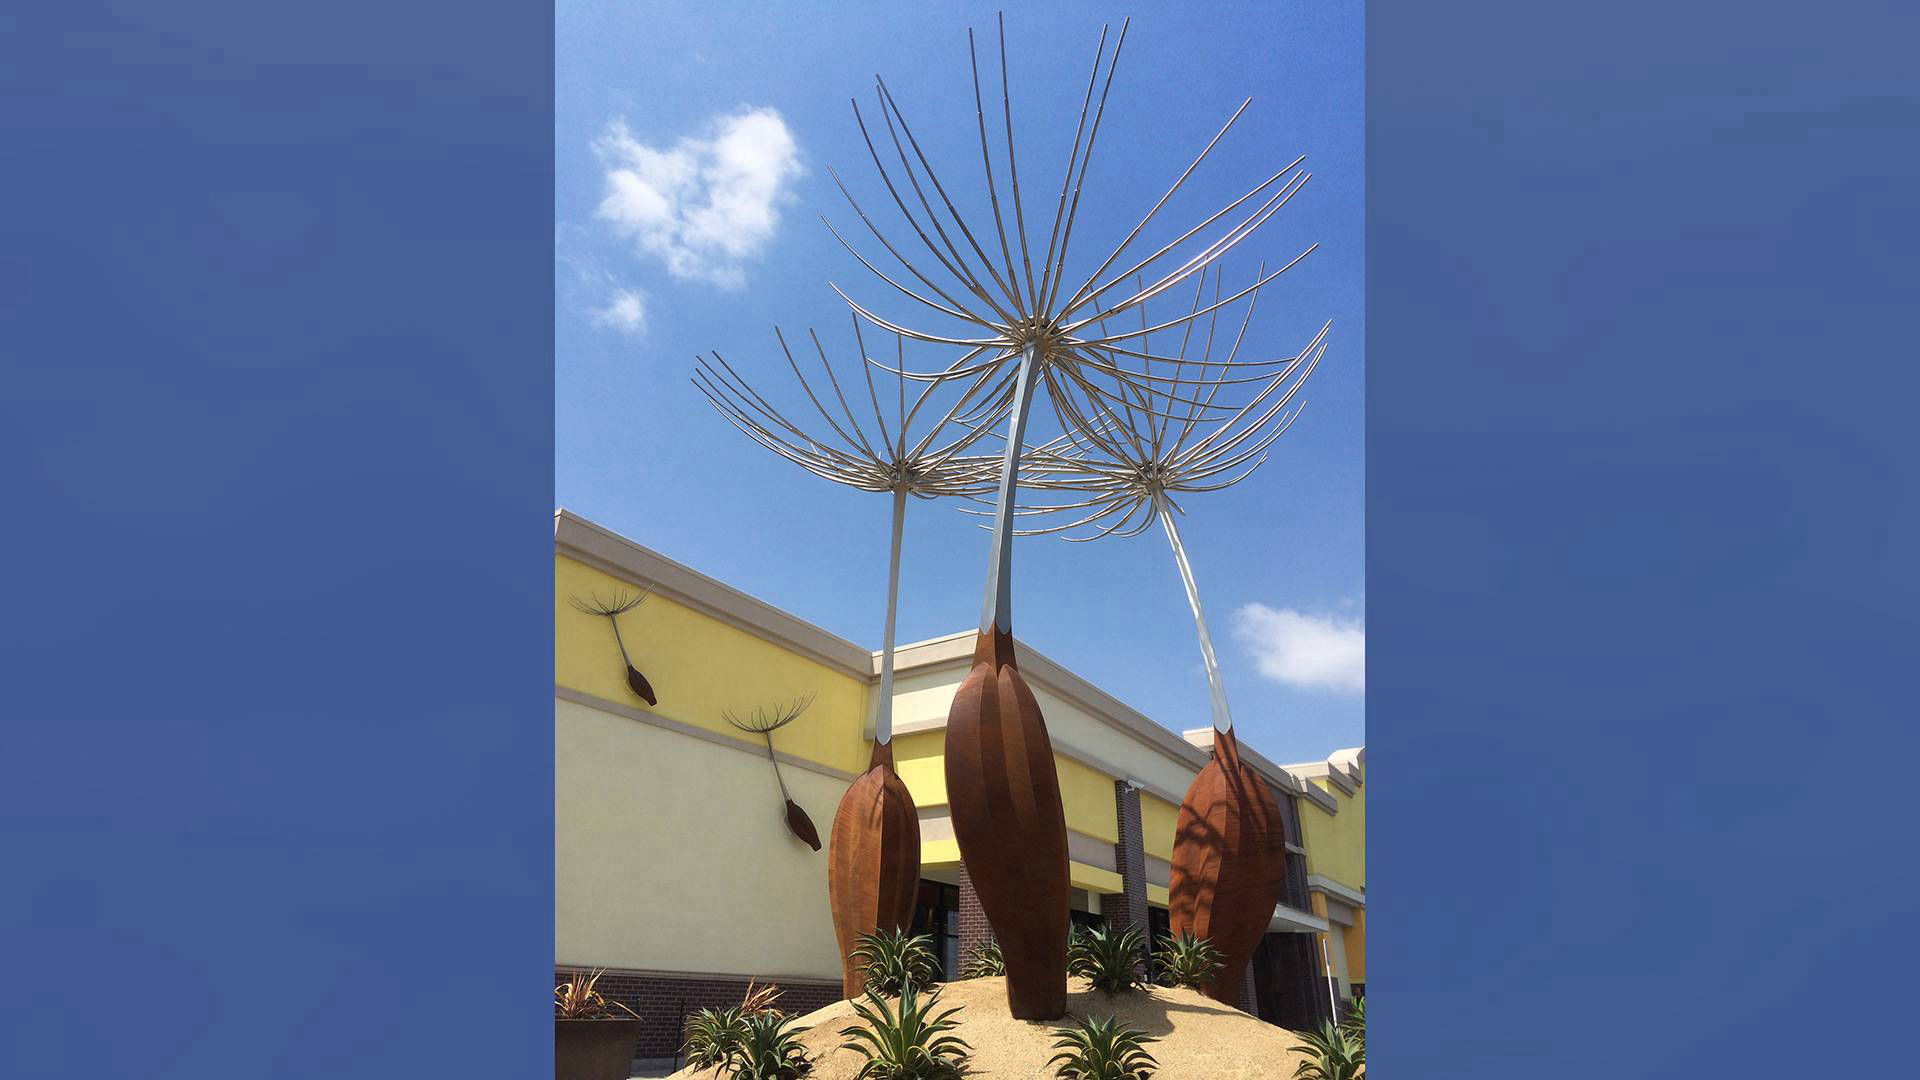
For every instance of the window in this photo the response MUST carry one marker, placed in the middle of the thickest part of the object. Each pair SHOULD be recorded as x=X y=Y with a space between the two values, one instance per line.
x=936 y=913
x=1159 y=923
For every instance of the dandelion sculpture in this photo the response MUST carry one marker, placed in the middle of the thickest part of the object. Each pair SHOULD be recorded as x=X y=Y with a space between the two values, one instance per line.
x=611 y=610
x=764 y=723
x=1229 y=849
x=1020 y=332
x=873 y=853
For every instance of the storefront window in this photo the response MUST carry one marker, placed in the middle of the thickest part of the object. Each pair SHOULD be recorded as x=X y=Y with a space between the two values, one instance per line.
x=936 y=914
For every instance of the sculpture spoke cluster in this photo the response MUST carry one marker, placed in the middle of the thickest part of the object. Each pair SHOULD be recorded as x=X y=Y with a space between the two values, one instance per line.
x=1156 y=394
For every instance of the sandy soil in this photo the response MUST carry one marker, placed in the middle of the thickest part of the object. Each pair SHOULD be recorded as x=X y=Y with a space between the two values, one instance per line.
x=1199 y=1038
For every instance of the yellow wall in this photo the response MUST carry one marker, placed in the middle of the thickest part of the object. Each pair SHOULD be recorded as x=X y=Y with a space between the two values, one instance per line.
x=1357 y=947
x=671 y=853
x=1086 y=793
x=1158 y=817
x=699 y=665
x=1337 y=843
x=920 y=759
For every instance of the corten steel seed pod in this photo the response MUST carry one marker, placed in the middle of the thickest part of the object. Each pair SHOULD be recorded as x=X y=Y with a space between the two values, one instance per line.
x=1004 y=796
x=873 y=862
x=1229 y=862
x=1003 y=792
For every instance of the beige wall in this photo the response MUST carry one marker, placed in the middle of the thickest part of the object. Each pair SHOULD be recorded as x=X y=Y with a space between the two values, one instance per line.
x=671 y=853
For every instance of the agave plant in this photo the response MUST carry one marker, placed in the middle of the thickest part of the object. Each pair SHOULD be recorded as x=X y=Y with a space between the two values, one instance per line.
x=1187 y=961
x=1331 y=1055
x=577 y=999
x=985 y=959
x=1108 y=959
x=768 y=1049
x=894 y=959
x=713 y=1034
x=1095 y=1049
x=1354 y=1024
x=911 y=1044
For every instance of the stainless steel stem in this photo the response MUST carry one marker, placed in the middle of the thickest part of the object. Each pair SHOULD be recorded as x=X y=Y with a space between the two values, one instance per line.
x=1222 y=719
x=996 y=612
x=883 y=719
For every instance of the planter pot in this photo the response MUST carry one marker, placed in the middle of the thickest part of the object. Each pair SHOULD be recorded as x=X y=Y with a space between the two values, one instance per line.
x=594 y=1049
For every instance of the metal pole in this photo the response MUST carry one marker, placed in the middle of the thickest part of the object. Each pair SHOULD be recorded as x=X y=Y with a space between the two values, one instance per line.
x=883 y=719
x=1327 y=965
x=996 y=612
x=1222 y=719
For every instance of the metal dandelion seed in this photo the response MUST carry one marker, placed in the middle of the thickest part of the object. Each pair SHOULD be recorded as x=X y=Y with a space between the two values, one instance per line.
x=611 y=610
x=764 y=722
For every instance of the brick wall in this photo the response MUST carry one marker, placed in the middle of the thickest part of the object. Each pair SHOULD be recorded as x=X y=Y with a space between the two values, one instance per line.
x=973 y=919
x=664 y=1000
x=1128 y=907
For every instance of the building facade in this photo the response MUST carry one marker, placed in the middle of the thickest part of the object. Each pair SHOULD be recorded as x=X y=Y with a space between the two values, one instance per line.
x=674 y=869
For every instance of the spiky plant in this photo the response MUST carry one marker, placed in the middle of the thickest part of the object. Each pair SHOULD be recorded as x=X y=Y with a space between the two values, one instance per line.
x=1331 y=1055
x=985 y=959
x=769 y=1049
x=1354 y=1023
x=1187 y=961
x=1108 y=959
x=712 y=1035
x=894 y=959
x=577 y=999
x=914 y=1043
x=1095 y=1049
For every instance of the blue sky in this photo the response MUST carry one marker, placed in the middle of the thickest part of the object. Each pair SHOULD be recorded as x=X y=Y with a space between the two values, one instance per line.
x=692 y=146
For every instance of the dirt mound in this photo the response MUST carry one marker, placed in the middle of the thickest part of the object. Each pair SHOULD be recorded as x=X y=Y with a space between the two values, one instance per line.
x=1198 y=1038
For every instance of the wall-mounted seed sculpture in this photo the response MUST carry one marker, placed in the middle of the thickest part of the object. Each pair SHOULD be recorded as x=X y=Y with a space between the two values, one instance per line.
x=1229 y=848
x=873 y=852
x=611 y=610
x=765 y=722
x=1025 y=333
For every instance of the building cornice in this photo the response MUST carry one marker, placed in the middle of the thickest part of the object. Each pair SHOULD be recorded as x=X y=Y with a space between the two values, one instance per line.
x=1325 y=770
x=1289 y=920
x=607 y=551
x=611 y=553
x=566 y=693
x=1344 y=893
x=1044 y=672
x=1277 y=775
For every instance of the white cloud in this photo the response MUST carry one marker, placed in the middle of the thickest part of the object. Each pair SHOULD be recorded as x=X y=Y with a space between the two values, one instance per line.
x=704 y=206
x=625 y=311
x=1316 y=652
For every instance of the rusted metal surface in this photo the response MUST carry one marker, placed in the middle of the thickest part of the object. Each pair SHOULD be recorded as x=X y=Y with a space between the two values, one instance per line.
x=1229 y=862
x=1004 y=795
x=873 y=861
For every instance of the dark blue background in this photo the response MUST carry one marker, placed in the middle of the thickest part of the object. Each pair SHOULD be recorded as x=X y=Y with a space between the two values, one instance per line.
x=1641 y=538
x=276 y=290
x=277 y=427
